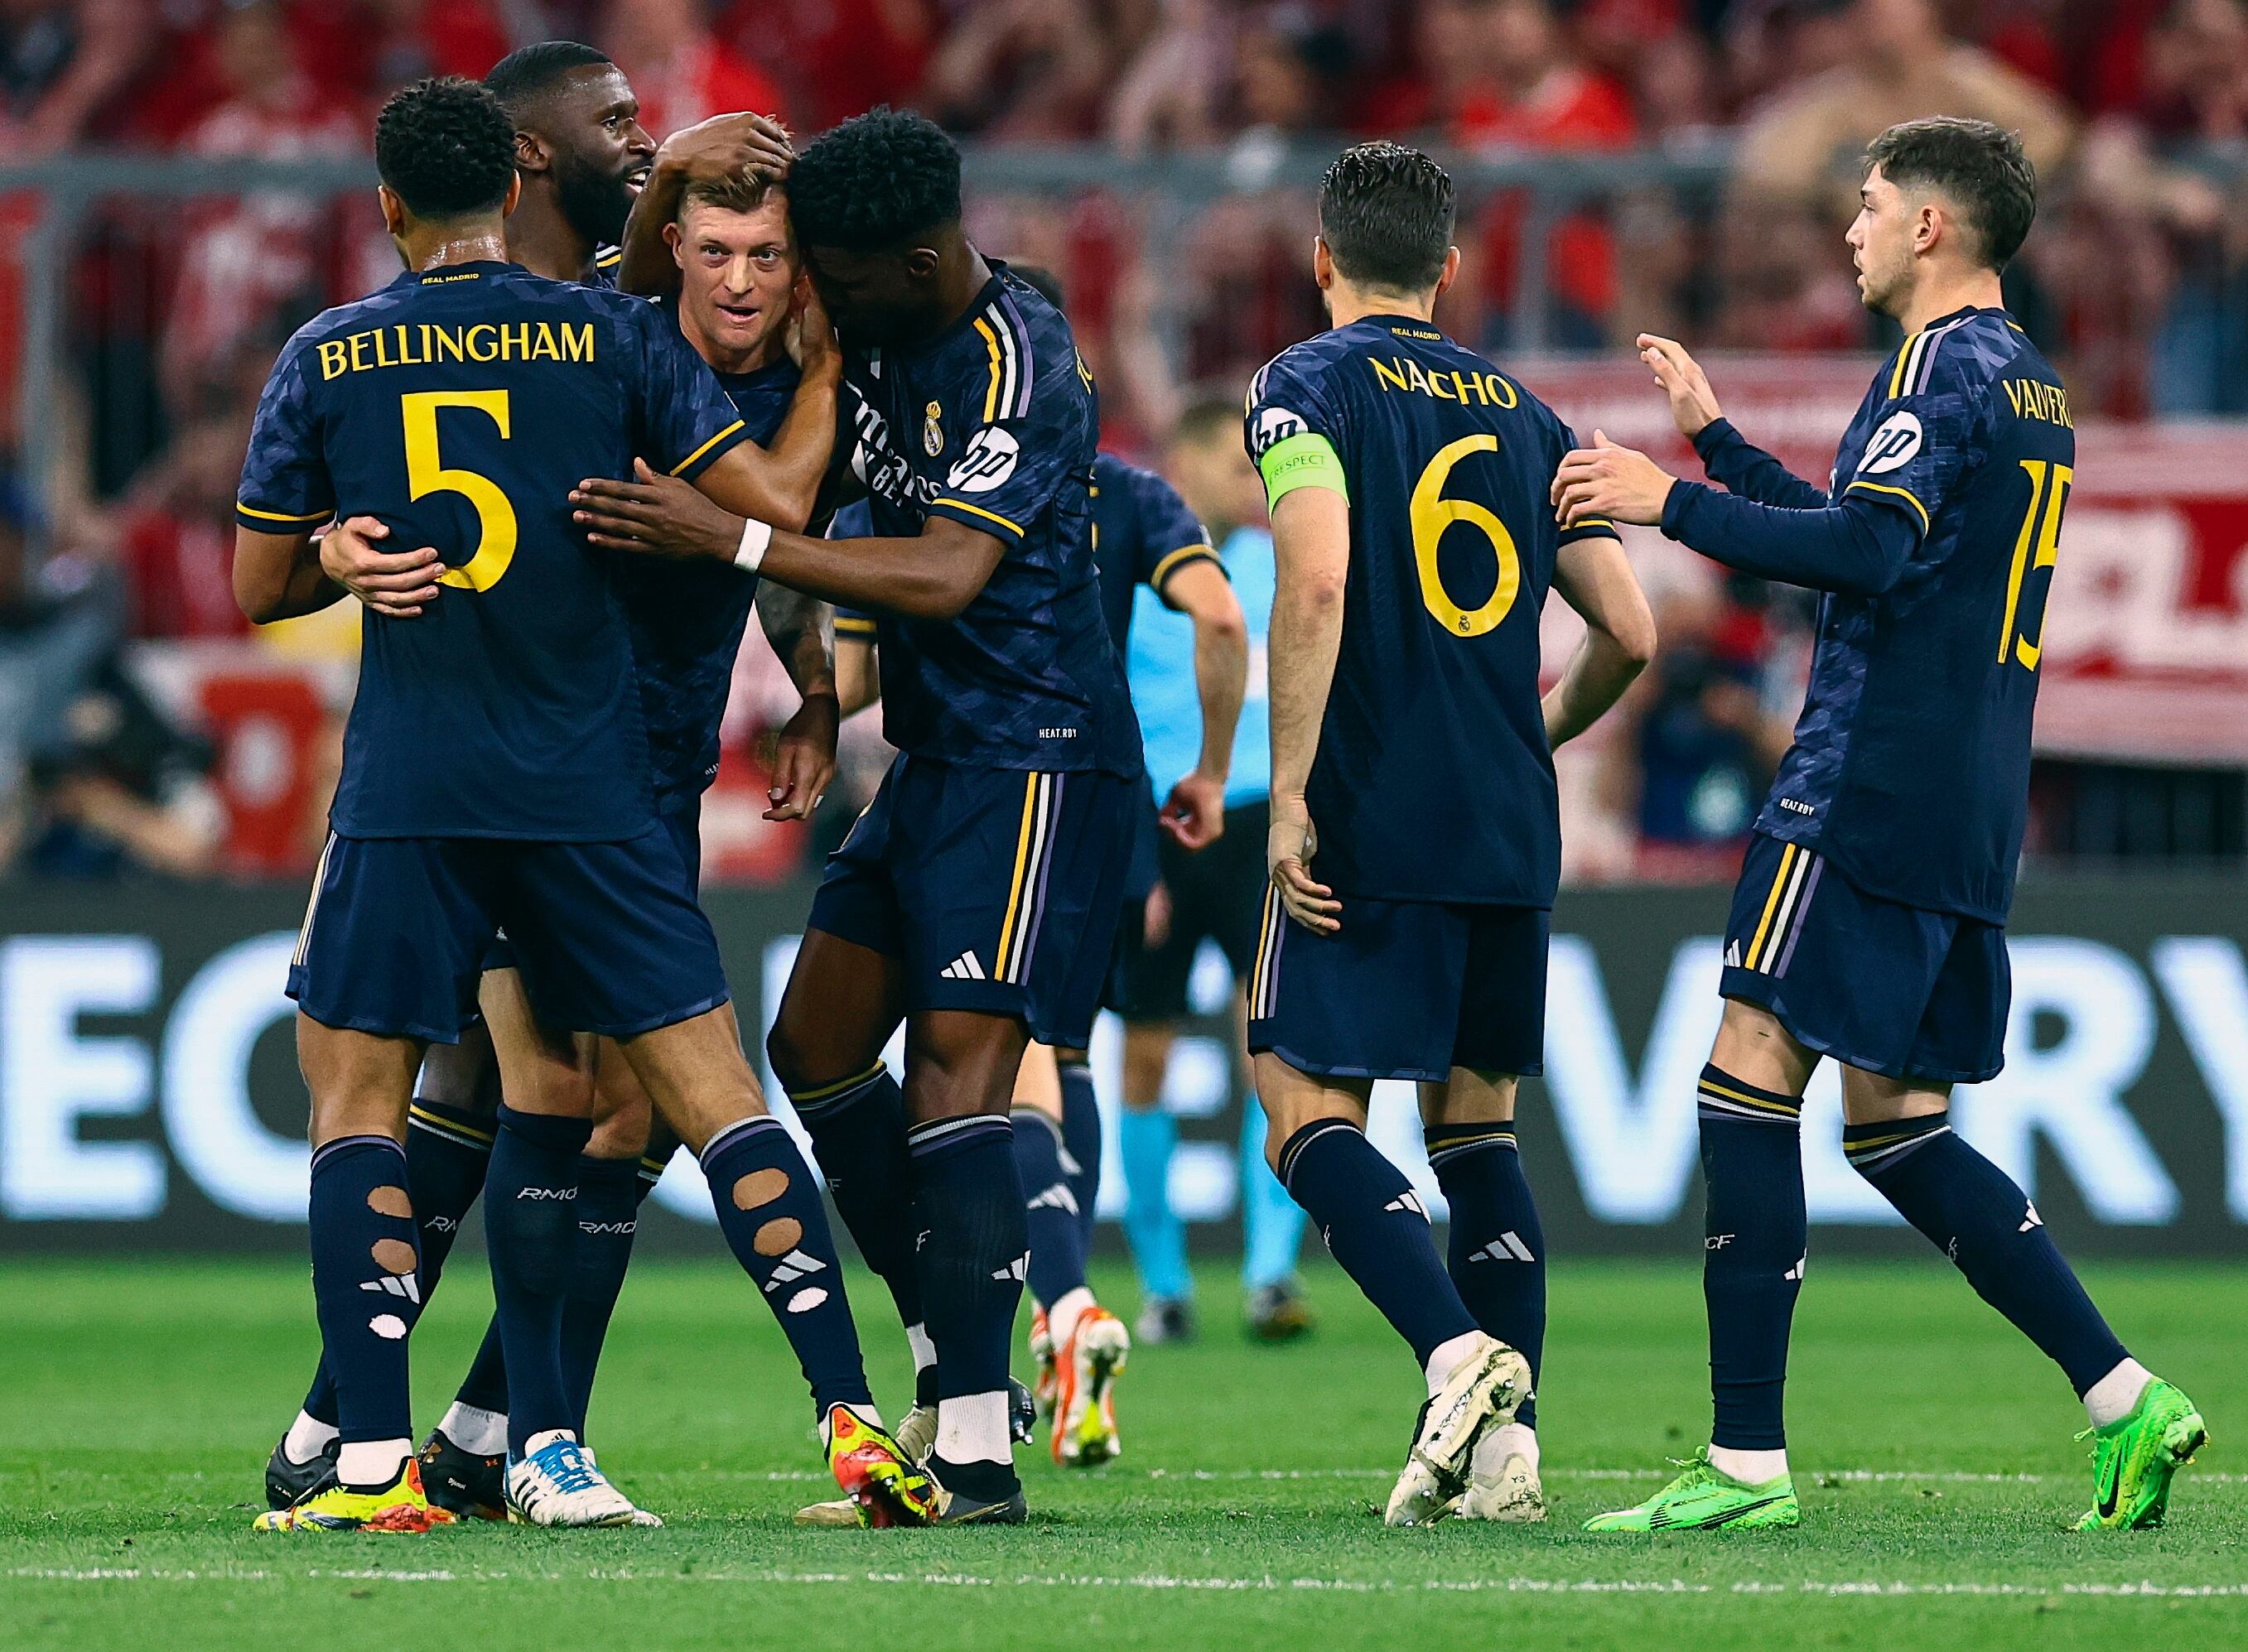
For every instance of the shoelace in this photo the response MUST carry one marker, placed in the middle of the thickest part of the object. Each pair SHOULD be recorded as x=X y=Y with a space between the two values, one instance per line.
x=566 y=1465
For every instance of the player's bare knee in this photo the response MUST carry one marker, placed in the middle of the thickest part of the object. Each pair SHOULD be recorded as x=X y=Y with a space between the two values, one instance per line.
x=1756 y=1049
x=1875 y=1098
x=1468 y=1097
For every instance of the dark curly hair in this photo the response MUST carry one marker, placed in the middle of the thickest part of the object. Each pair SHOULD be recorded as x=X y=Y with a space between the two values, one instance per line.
x=1386 y=213
x=878 y=179
x=446 y=147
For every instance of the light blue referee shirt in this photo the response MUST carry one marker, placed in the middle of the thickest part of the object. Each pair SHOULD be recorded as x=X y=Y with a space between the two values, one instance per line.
x=1160 y=662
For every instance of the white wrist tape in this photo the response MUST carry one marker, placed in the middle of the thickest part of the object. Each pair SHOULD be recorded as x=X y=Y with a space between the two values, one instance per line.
x=756 y=536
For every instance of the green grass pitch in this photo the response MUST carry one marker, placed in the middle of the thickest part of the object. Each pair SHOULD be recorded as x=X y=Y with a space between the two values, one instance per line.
x=138 y=1400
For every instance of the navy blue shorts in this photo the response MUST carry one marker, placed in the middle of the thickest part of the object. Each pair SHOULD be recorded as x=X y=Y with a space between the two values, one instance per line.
x=1886 y=988
x=607 y=935
x=1405 y=989
x=685 y=826
x=998 y=890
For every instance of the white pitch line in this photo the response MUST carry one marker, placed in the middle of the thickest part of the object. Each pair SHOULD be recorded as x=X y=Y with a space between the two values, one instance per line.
x=1163 y=1582
x=1811 y=1477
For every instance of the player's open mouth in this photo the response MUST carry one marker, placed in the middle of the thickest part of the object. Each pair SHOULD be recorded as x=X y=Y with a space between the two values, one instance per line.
x=740 y=316
x=636 y=179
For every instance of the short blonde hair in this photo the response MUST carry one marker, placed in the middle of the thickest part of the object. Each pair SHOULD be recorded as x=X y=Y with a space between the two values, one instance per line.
x=737 y=192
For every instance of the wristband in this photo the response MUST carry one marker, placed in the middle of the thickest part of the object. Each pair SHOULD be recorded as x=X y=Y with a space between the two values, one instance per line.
x=756 y=536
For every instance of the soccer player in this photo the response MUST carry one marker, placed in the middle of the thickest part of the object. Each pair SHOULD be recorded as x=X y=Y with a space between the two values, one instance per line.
x=1868 y=923
x=581 y=156
x=977 y=898
x=496 y=775
x=1416 y=844
x=1215 y=896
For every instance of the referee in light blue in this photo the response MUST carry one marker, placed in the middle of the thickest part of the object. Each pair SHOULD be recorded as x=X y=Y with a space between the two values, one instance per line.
x=1214 y=894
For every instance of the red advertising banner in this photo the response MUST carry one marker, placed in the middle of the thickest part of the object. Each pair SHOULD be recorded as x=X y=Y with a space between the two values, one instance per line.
x=2146 y=638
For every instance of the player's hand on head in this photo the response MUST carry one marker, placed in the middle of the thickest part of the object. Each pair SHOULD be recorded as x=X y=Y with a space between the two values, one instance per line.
x=657 y=516
x=727 y=145
x=1194 y=812
x=1693 y=403
x=810 y=339
x=1620 y=484
x=1289 y=848
x=804 y=759
x=394 y=584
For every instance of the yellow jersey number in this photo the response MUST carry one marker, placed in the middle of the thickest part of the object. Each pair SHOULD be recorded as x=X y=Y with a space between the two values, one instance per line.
x=1432 y=513
x=2038 y=547
x=426 y=474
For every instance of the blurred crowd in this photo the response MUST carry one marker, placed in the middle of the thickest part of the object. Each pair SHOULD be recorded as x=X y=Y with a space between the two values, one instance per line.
x=1749 y=116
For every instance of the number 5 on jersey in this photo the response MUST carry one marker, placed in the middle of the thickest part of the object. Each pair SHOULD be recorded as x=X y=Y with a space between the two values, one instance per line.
x=426 y=474
x=2049 y=485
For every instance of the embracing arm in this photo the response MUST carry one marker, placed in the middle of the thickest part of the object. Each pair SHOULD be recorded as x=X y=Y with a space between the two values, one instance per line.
x=781 y=483
x=800 y=629
x=1595 y=577
x=278 y=575
x=933 y=575
x=804 y=751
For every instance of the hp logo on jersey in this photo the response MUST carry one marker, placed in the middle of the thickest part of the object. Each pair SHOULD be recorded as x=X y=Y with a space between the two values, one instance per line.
x=989 y=461
x=1274 y=425
x=1892 y=445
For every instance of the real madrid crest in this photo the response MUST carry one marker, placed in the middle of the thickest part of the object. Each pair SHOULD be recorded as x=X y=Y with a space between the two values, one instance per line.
x=932 y=432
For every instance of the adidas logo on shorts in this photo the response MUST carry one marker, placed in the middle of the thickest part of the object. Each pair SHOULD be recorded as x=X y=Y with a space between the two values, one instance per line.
x=966 y=967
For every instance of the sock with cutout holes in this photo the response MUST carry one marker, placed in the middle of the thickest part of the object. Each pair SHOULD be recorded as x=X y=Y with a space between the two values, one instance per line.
x=365 y=1287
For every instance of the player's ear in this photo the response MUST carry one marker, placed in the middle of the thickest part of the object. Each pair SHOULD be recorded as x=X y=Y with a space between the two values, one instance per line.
x=394 y=209
x=921 y=262
x=531 y=154
x=514 y=196
x=1322 y=263
x=1451 y=273
x=676 y=240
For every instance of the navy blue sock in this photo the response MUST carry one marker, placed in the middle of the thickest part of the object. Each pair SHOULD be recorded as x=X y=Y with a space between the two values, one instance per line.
x=1080 y=1139
x=530 y=1228
x=446 y=1151
x=1050 y=1210
x=1374 y=1225
x=1975 y=1214
x=1754 y=1236
x=858 y=1130
x=364 y=1284
x=973 y=1261
x=776 y=1225
x=608 y=1215
x=1497 y=1250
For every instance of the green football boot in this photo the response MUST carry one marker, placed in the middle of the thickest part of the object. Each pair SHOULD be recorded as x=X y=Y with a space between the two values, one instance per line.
x=2135 y=1457
x=1704 y=1499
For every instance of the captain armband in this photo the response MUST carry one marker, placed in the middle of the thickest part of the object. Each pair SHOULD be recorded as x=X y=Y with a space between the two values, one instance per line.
x=1305 y=459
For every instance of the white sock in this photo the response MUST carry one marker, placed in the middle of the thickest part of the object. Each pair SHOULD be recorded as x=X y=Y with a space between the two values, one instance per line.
x=475 y=1430
x=2111 y=1398
x=307 y=1437
x=1447 y=1356
x=1063 y=1316
x=371 y=1461
x=924 y=1351
x=972 y=1427
x=1749 y=1468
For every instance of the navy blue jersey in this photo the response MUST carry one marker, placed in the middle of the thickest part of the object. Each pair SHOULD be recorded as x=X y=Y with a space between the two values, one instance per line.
x=1433 y=780
x=1911 y=761
x=993 y=424
x=1143 y=534
x=459 y=407
x=687 y=619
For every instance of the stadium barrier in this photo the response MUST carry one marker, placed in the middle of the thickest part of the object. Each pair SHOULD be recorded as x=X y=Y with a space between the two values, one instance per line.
x=149 y=1099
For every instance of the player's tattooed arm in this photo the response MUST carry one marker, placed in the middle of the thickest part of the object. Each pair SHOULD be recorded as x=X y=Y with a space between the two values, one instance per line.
x=279 y=577
x=1194 y=812
x=800 y=630
x=1595 y=577
x=723 y=146
x=1311 y=547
